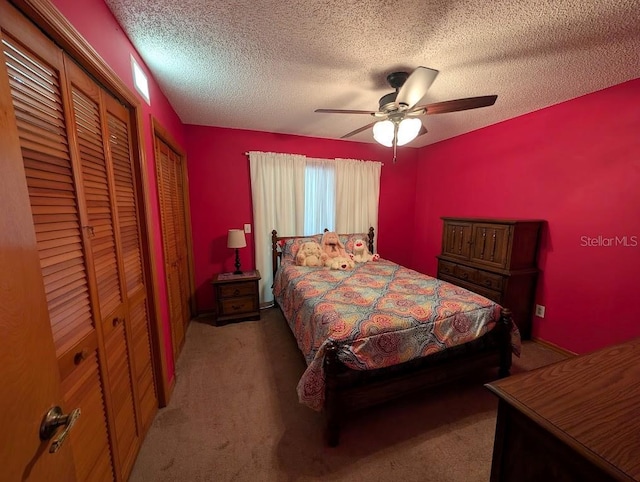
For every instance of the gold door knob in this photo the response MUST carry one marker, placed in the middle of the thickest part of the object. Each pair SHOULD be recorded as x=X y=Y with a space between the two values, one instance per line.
x=54 y=419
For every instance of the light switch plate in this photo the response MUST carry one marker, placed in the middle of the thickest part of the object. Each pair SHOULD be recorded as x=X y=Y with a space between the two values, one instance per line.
x=247 y=228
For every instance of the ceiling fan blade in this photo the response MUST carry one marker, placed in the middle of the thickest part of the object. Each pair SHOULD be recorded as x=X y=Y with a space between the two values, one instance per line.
x=415 y=87
x=458 y=104
x=358 y=131
x=344 y=111
x=422 y=131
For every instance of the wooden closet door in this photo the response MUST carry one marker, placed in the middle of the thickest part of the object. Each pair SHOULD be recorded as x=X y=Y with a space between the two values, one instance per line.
x=103 y=262
x=103 y=138
x=172 y=211
x=36 y=74
x=181 y=233
x=131 y=255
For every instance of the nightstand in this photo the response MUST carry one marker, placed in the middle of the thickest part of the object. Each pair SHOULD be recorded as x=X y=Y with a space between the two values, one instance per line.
x=237 y=296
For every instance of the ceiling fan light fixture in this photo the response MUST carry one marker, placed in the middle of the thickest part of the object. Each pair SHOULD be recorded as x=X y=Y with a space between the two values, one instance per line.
x=383 y=132
x=408 y=130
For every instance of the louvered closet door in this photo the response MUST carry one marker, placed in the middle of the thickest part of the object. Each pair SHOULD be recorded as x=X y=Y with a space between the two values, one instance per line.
x=115 y=256
x=166 y=177
x=37 y=83
x=118 y=128
x=172 y=211
x=181 y=234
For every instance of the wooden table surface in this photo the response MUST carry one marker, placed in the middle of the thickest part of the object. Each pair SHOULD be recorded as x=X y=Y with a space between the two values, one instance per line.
x=591 y=402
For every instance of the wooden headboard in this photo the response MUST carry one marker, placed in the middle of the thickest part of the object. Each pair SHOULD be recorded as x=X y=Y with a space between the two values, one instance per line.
x=276 y=250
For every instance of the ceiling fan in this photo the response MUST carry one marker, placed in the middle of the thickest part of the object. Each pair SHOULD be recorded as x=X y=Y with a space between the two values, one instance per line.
x=396 y=120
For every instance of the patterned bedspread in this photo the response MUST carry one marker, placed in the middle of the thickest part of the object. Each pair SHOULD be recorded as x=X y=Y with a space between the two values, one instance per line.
x=380 y=313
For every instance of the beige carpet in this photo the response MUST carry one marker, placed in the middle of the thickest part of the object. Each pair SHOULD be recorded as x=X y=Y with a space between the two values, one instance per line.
x=234 y=416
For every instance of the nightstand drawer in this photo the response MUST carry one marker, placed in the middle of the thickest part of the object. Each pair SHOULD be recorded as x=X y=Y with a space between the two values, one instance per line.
x=235 y=290
x=237 y=306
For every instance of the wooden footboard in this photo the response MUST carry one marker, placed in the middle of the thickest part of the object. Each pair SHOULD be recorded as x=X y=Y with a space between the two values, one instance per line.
x=348 y=390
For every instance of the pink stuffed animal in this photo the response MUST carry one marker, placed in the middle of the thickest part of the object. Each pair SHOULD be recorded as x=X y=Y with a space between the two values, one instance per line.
x=332 y=247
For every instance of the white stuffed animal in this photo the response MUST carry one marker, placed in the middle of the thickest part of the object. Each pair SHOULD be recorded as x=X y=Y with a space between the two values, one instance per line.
x=361 y=253
x=310 y=254
x=341 y=263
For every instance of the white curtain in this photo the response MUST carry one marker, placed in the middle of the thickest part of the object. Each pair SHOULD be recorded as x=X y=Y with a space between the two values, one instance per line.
x=277 y=188
x=319 y=196
x=357 y=195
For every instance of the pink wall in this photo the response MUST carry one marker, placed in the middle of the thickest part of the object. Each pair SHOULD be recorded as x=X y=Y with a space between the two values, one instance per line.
x=576 y=165
x=220 y=190
x=95 y=22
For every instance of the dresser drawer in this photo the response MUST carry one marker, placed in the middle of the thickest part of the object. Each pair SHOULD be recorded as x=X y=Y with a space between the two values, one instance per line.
x=446 y=267
x=465 y=273
x=235 y=290
x=489 y=280
x=495 y=296
x=237 y=306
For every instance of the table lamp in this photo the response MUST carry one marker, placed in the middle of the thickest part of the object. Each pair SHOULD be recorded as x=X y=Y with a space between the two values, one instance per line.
x=236 y=240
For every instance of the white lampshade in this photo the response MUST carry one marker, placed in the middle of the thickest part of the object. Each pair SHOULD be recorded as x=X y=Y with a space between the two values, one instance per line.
x=383 y=132
x=408 y=130
x=236 y=239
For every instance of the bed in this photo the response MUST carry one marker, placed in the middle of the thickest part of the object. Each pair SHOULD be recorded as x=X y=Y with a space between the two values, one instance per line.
x=381 y=331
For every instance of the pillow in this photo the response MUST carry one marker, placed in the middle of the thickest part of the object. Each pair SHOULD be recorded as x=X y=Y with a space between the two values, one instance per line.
x=291 y=246
x=349 y=239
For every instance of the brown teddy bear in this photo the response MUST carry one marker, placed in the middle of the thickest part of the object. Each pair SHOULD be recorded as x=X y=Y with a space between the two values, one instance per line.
x=361 y=253
x=310 y=254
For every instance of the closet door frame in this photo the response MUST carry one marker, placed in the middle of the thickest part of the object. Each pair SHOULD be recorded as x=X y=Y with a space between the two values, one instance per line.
x=160 y=132
x=45 y=15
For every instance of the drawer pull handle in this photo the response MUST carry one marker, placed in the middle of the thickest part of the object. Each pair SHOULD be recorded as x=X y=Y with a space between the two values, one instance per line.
x=116 y=321
x=487 y=282
x=80 y=356
x=236 y=292
x=236 y=307
x=465 y=275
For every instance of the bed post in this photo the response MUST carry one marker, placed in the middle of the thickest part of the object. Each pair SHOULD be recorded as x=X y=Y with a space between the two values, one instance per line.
x=505 y=343
x=331 y=402
x=370 y=243
x=274 y=251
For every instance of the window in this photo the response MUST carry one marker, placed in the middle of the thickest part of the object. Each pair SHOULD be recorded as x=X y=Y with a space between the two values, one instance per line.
x=140 y=80
x=319 y=196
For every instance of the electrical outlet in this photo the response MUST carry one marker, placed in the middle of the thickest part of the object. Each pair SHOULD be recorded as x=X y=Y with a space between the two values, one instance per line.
x=540 y=311
x=247 y=228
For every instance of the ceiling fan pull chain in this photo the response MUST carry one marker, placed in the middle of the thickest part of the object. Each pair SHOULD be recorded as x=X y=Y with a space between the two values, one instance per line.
x=395 y=140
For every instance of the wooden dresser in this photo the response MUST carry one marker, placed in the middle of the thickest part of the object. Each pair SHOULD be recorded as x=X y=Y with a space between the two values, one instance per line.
x=496 y=258
x=575 y=420
x=237 y=296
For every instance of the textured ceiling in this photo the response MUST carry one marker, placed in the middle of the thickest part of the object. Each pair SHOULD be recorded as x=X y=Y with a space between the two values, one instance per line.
x=267 y=64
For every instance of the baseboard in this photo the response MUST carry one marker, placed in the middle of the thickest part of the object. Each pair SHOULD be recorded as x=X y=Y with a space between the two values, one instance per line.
x=205 y=315
x=172 y=385
x=554 y=347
